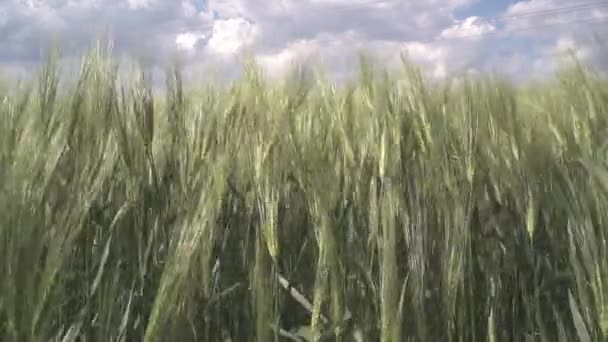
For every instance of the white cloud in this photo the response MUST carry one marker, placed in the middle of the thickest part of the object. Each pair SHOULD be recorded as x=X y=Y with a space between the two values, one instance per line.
x=146 y=27
x=139 y=4
x=285 y=21
x=276 y=64
x=525 y=7
x=568 y=44
x=229 y=36
x=187 y=40
x=334 y=30
x=441 y=59
x=338 y=54
x=188 y=8
x=227 y=8
x=425 y=52
x=471 y=28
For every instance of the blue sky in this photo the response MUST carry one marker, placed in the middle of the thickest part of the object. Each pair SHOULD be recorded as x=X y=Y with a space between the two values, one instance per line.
x=485 y=8
x=443 y=36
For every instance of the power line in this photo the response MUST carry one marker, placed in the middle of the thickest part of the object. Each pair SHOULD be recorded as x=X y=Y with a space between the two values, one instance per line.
x=557 y=10
x=580 y=7
x=366 y=7
x=504 y=19
x=543 y=13
x=528 y=28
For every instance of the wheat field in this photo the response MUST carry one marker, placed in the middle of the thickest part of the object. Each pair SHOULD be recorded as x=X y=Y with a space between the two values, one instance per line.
x=385 y=208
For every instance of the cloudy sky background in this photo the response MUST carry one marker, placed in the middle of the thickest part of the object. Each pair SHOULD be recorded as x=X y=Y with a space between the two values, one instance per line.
x=517 y=38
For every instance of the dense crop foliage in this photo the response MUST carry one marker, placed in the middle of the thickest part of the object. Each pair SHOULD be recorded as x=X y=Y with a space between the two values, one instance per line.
x=383 y=209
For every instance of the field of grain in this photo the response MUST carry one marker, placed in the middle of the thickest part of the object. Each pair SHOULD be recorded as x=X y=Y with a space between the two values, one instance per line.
x=386 y=208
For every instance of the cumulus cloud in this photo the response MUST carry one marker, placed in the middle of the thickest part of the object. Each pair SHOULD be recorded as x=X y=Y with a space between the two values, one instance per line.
x=283 y=21
x=471 y=28
x=229 y=36
x=137 y=4
x=187 y=40
x=332 y=31
x=276 y=64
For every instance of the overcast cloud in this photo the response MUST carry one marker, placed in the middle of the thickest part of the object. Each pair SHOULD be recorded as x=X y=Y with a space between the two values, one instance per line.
x=516 y=38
